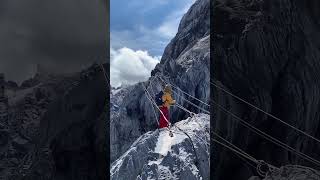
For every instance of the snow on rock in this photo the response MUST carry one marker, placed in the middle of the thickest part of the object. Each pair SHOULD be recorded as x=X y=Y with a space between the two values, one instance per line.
x=156 y=155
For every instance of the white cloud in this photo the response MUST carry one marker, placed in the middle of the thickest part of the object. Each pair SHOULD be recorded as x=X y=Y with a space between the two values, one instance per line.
x=129 y=66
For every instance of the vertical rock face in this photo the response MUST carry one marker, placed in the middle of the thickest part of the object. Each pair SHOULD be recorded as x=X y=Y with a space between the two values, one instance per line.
x=57 y=129
x=266 y=52
x=185 y=64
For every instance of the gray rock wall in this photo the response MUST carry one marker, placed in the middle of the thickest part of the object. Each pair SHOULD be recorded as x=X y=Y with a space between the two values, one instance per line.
x=266 y=52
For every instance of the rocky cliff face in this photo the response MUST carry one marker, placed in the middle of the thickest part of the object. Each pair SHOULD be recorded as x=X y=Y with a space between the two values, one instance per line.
x=266 y=52
x=185 y=63
x=56 y=128
x=155 y=155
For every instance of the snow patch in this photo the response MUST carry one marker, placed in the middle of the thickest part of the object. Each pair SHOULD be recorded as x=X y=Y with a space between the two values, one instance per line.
x=165 y=142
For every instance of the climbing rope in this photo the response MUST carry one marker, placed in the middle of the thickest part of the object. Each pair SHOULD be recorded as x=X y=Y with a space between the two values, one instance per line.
x=266 y=136
x=154 y=111
x=155 y=116
x=270 y=115
x=184 y=109
x=194 y=149
x=191 y=103
x=246 y=156
x=185 y=98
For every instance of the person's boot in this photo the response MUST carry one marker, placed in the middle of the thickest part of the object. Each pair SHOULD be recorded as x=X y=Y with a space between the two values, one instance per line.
x=170 y=133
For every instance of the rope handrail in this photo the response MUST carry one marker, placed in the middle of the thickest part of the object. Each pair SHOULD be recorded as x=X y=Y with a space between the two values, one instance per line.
x=235 y=147
x=192 y=103
x=268 y=137
x=185 y=98
x=183 y=108
x=245 y=155
x=270 y=115
x=154 y=111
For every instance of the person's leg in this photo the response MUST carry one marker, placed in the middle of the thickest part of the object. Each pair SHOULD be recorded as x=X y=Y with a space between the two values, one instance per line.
x=166 y=114
x=162 y=121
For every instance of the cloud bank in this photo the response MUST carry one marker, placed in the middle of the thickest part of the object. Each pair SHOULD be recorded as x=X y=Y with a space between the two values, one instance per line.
x=129 y=67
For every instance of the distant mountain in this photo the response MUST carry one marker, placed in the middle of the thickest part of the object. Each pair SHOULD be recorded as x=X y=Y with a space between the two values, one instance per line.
x=56 y=128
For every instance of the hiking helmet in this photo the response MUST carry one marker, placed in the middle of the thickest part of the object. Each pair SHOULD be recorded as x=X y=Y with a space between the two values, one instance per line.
x=168 y=88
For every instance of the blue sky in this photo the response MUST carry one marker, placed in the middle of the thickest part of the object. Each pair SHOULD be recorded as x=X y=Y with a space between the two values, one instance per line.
x=141 y=28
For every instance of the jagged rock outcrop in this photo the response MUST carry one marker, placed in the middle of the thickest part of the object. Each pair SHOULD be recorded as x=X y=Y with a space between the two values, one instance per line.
x=266 y=52
x=156 y=155
x=185 y=63
x=57 y=128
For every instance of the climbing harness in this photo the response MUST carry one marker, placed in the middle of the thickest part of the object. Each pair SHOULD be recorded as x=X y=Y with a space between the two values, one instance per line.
x=270 y=115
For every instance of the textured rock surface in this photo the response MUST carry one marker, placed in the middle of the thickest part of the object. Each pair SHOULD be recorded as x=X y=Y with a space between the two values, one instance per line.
x=185 y=63
x=266 y=52
x=156 y=155
x=291 y=173
x=56 y=128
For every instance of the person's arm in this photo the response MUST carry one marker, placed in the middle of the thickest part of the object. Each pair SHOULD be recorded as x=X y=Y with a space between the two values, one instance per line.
x=164 y=98
x=170 y=100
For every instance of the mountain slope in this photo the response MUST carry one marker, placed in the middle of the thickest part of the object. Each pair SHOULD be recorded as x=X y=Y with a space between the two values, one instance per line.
x=156 y=155
x=185 y=64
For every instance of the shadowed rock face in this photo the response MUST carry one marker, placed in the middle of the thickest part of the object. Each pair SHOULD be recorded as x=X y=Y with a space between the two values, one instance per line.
x=185 y=63
x=291 y=172
x=266 y=52
x=57 y=129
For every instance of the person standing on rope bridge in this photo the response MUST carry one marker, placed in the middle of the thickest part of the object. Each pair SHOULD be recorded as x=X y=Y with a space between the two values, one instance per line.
x=164 y=101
